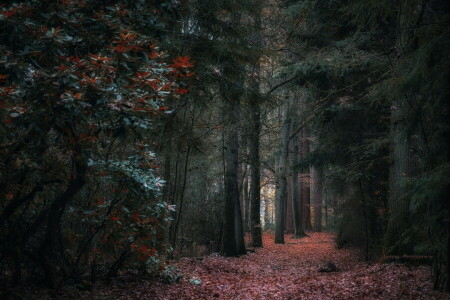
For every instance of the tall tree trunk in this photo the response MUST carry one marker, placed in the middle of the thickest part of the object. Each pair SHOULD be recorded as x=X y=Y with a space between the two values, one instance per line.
x=246 y=201
x=282 y=178
x=255 y=129
x=402 y=161
x=289 y=214
x=297 y=207
x=238 y=226
x=306 y=182
x=316 y=191
x=179 y=214
x=255 y=180
x=229 y=247
x=240 y=244
x=401 y=167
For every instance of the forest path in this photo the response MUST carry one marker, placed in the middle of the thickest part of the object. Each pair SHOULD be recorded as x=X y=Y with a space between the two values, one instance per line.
x=288 y=271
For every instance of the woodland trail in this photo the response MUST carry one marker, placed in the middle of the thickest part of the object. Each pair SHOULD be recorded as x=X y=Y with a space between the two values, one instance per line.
x=288 y=271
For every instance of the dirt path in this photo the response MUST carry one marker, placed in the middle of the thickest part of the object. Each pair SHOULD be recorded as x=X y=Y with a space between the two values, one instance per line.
x=288 y=271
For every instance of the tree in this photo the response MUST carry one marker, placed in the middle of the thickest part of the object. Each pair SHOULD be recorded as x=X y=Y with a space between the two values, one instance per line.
x=254 y=146
x=71 y=101
x=316 y=192
x=297 y=201
x=282 y=176
x=305 y=181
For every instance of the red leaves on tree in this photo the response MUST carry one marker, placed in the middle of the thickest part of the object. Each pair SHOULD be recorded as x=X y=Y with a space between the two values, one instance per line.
x=180 y=91
x=6 y=90
x=99 y=61
x=125 y=43
x=63 y=67
x=9 y=13
x=181 y=67
x=88 y=80
x=136 y=217
x=182 y=62
x=114 y=218
x=142 y=75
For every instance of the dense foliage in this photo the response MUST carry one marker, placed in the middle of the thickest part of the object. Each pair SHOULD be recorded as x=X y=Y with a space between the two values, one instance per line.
x=83 y=85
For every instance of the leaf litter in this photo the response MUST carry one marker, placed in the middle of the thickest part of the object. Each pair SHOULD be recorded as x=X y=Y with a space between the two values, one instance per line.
x=285 y=271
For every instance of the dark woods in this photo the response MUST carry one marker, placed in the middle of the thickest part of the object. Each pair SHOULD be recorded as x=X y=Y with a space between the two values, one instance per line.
x=133 y=132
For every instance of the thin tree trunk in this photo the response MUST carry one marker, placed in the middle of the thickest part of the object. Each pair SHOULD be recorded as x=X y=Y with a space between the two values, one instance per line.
x=267 y=220
x=289 y=214
x=180 y=206
x=168 y=179
x=296 y=203
x=238 y=226
x=246 y=200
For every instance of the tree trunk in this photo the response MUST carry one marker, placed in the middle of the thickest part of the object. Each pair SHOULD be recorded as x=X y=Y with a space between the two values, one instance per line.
x=316 y=191
x=297 y=207
x=282 y=178
x=246 y=201
x=179 y=214
x=306 y=182
x=267 y=219
x=255 y=183
x=168 y=179
x=229 y=247
x=289 y=217
x=240 y=244
x=238 y=226
x=51 y=248
x=254 y=143
x=402 y=160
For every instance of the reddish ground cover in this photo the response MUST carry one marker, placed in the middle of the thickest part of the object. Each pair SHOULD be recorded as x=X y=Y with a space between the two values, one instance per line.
x=288 y=271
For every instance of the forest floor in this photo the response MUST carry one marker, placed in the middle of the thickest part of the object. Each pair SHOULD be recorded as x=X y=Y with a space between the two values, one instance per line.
x=288 y=271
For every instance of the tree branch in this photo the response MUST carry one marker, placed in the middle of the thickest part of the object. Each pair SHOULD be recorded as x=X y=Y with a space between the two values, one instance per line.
x=280 y=85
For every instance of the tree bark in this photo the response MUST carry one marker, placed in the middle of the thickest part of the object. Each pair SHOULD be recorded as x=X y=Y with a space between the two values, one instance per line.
x=403 y=164
x=282 y=178
x=246 y=202
x=230 y=244
x=289 y=214
x=51 y=248
x=297 y=207
x=255 y=183
x=305 y=182
x=316 y=191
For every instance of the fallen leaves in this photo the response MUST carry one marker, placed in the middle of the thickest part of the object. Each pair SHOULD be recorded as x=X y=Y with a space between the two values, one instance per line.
x=288 y=271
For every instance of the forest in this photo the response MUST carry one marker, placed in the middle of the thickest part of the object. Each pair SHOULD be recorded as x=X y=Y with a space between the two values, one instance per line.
x=224 y=149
